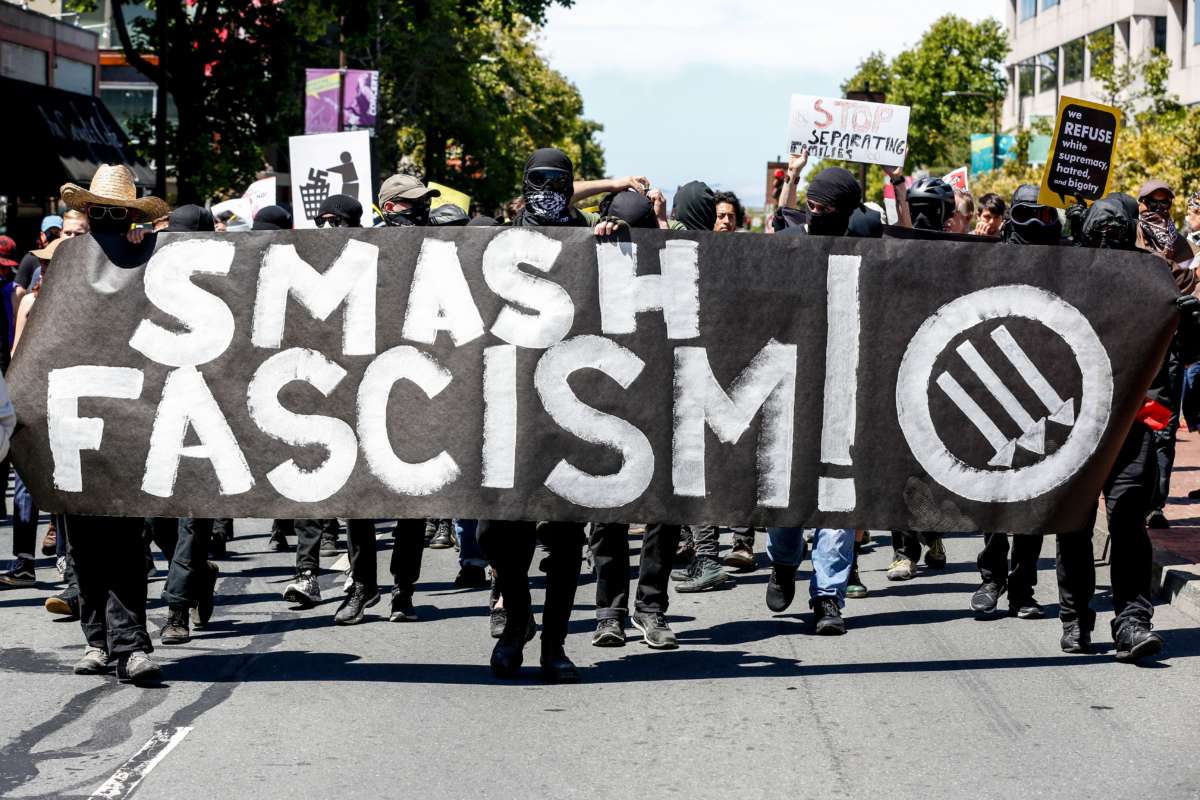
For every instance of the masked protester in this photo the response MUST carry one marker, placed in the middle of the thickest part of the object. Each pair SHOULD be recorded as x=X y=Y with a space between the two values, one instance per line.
x=1193 y=222
x=1127 y=490
x=633 y=207
x=272 y=218
x=340 y=211
x=1035 y=224
x=694 y=208
x=404 y=200
x=190 y=218
x=932 y=204
x=547 y=187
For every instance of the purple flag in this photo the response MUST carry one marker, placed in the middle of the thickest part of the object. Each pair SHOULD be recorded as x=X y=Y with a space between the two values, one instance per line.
x=321 y=100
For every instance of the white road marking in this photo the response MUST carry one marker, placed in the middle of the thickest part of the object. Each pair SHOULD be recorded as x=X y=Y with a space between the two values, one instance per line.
x=122 y=782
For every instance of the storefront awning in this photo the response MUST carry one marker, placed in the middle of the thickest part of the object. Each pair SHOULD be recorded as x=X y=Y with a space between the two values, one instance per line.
x=53 y=137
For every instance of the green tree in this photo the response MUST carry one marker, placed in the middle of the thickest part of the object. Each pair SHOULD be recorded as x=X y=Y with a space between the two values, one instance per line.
x=1131 y=84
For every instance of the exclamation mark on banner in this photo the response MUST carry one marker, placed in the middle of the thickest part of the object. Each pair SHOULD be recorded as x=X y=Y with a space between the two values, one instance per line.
x=841 y=382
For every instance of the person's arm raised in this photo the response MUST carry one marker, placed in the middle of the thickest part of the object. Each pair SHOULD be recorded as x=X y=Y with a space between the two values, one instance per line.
x=585 y=189
x=896 y=176
x=796 y=164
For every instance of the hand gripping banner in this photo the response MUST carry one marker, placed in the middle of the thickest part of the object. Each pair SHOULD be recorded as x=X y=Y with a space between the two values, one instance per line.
x=547 y=374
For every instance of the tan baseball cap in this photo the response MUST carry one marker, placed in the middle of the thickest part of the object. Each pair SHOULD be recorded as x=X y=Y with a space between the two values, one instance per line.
x=1154 y=185
x=405 y=187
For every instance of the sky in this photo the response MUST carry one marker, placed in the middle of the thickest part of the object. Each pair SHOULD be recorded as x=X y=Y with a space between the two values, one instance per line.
x=699 y=89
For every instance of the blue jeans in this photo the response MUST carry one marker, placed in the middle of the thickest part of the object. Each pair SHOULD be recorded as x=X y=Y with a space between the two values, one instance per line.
x=25 y=519
x=832 y=557
x=468 y=544
x=1191 y=396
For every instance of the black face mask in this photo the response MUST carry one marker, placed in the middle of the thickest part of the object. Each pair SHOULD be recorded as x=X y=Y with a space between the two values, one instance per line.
x=827 y=223
x=417 y=214
x=107 y=224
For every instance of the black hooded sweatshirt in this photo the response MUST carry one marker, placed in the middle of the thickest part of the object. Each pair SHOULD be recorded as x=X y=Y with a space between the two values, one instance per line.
x=564 y=214
x=695 y=207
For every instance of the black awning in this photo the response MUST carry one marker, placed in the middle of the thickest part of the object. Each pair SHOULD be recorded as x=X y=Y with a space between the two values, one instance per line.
x=52 y=137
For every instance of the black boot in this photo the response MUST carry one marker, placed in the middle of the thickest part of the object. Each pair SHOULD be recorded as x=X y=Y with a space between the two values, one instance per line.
x=1075 y=638
x=781 y=587
x=556 y=667
x=1135 y=640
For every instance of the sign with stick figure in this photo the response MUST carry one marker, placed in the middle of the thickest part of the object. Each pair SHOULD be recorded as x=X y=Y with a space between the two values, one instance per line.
x=324 y=164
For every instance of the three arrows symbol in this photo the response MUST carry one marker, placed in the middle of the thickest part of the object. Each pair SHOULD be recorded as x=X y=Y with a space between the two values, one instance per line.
x=1033 y=431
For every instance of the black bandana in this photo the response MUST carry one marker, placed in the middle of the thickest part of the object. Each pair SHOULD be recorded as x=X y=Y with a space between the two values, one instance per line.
x=837 y=188
x=543 y=206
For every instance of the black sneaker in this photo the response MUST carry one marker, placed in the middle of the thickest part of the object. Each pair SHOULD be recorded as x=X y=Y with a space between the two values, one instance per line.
x=497 y=619
x=443 y=537
x=656 y=633
x=138 y=669
x=357 y=601
x=556 y=667
x=402 y=608
x=609 y=633
x=1026 y=609
x=329 y=544
x=217 y=547
x=65 y=603
x=781 y=587
x=987 y=597
x=706 y=576
x=304 y=591
x=1157 y=520
x=203 y=611
x=1135 y=640
x=827 y=617
x=176 y=630
x=278 y=543
x=471 y=576
x=1075 y=639
x=19 y=574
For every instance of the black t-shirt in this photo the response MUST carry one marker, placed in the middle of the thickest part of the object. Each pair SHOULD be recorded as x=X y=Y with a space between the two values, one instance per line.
x=29 y=264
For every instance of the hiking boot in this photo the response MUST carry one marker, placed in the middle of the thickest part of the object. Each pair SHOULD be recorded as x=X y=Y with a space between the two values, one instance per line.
x=402 y=608
x=443 y=537
x=65 y=603
x=1135 y=640
x=740 y=557
x=203 y=611
x=901 y=570
x=855 y=588
x=497 y=619
x=176 y=630
x=138 y=669
x=278 y=543
x=609 y=633
x=781 y=587
x=303 y=591
x=329 y=543
x=1026 y=609
x=50 y=540
x=656 y=633
x=987 y=597
x=359 y=599
x=556 y=667
x=935 y=555
x=19 y=575
x=707 y=575
x=684 y=573
x=827 y=617
x=1075 y=639
x=471 y=576
x=94 y=662
x=1157 y=520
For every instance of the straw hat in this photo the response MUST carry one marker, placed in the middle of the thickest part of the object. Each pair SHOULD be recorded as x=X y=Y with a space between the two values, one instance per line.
x=112 y=185
x=47 y=252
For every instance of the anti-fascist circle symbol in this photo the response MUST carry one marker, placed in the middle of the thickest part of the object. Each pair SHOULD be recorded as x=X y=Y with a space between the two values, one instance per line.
x=915 y=381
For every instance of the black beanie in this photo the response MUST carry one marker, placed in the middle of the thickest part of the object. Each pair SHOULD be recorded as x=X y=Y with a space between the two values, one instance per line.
x=344 y=207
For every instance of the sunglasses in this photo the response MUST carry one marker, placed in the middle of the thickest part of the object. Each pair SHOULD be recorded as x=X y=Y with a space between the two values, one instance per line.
x=1025 y=212
x=100 y=212
x=333 y=222
x=553 y=179
x=1159 y=206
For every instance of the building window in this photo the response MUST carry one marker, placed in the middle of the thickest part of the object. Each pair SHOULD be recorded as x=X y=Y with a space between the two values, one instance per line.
x=128 y=103
x=23 y=63
x=74 y=76
x=1196 y=23
x=1048 y=79
x=1028 y=9
x=1048 y=4
x=1026 y=75
x=1072 y=55
x=1160 y=34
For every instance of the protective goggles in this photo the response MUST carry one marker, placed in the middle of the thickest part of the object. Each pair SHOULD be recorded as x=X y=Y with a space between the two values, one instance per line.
x=554 y=180
x=1028 y=212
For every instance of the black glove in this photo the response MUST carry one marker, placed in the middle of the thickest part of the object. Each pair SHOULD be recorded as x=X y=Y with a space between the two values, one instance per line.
x=1188 y=305
x=1075 y=216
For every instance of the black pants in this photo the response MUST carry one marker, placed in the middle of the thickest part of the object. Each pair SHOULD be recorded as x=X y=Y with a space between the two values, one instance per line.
x=610 y=552
x=993 y=563
x=308 y=540
x=508 y=547
x=187 y=577
x=707 y=538
x=223 y=527
x=1164 y=441
x=1127 y=493
x=906 y=544
x=407 y=549
x=109 y=560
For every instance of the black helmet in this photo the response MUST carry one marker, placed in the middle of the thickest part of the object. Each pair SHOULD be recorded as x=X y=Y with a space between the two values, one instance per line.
x=931 y=201
x=448 y=214
x=1030 y=222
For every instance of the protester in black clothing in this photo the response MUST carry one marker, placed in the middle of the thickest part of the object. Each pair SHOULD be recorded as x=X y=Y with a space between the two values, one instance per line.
x=272 y=218
x=448 y=214
x=1029 y=222
x=1111 y=224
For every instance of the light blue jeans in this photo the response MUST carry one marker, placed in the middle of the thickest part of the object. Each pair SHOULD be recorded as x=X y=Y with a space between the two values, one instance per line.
x=833 y=554
x=468 y=544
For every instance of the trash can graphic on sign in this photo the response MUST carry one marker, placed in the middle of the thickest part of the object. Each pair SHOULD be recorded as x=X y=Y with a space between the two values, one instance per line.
x=325 y=164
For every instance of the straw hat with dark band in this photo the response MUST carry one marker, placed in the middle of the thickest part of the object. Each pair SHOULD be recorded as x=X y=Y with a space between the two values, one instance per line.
x=112 y=185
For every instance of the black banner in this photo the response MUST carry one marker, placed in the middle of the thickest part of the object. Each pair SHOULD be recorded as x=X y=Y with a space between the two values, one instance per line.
x=546 y=374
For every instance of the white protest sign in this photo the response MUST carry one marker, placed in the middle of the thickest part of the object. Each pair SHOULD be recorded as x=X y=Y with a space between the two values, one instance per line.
x=848 y=130
x=260 y=194
x=958 y=179
x=324 y=164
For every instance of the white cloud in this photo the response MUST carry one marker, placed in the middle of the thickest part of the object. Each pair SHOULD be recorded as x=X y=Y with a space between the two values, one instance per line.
x=663 y=36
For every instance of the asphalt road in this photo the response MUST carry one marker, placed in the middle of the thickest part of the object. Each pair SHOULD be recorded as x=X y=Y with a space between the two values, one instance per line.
x=917 y=700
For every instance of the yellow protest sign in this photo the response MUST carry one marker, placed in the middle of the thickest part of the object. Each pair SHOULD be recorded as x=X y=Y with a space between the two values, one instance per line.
x=452 y=196
x=1081 y=154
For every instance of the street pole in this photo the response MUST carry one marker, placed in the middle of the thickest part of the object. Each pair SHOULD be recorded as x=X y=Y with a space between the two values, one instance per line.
x=995 y=133
x=160 y=111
